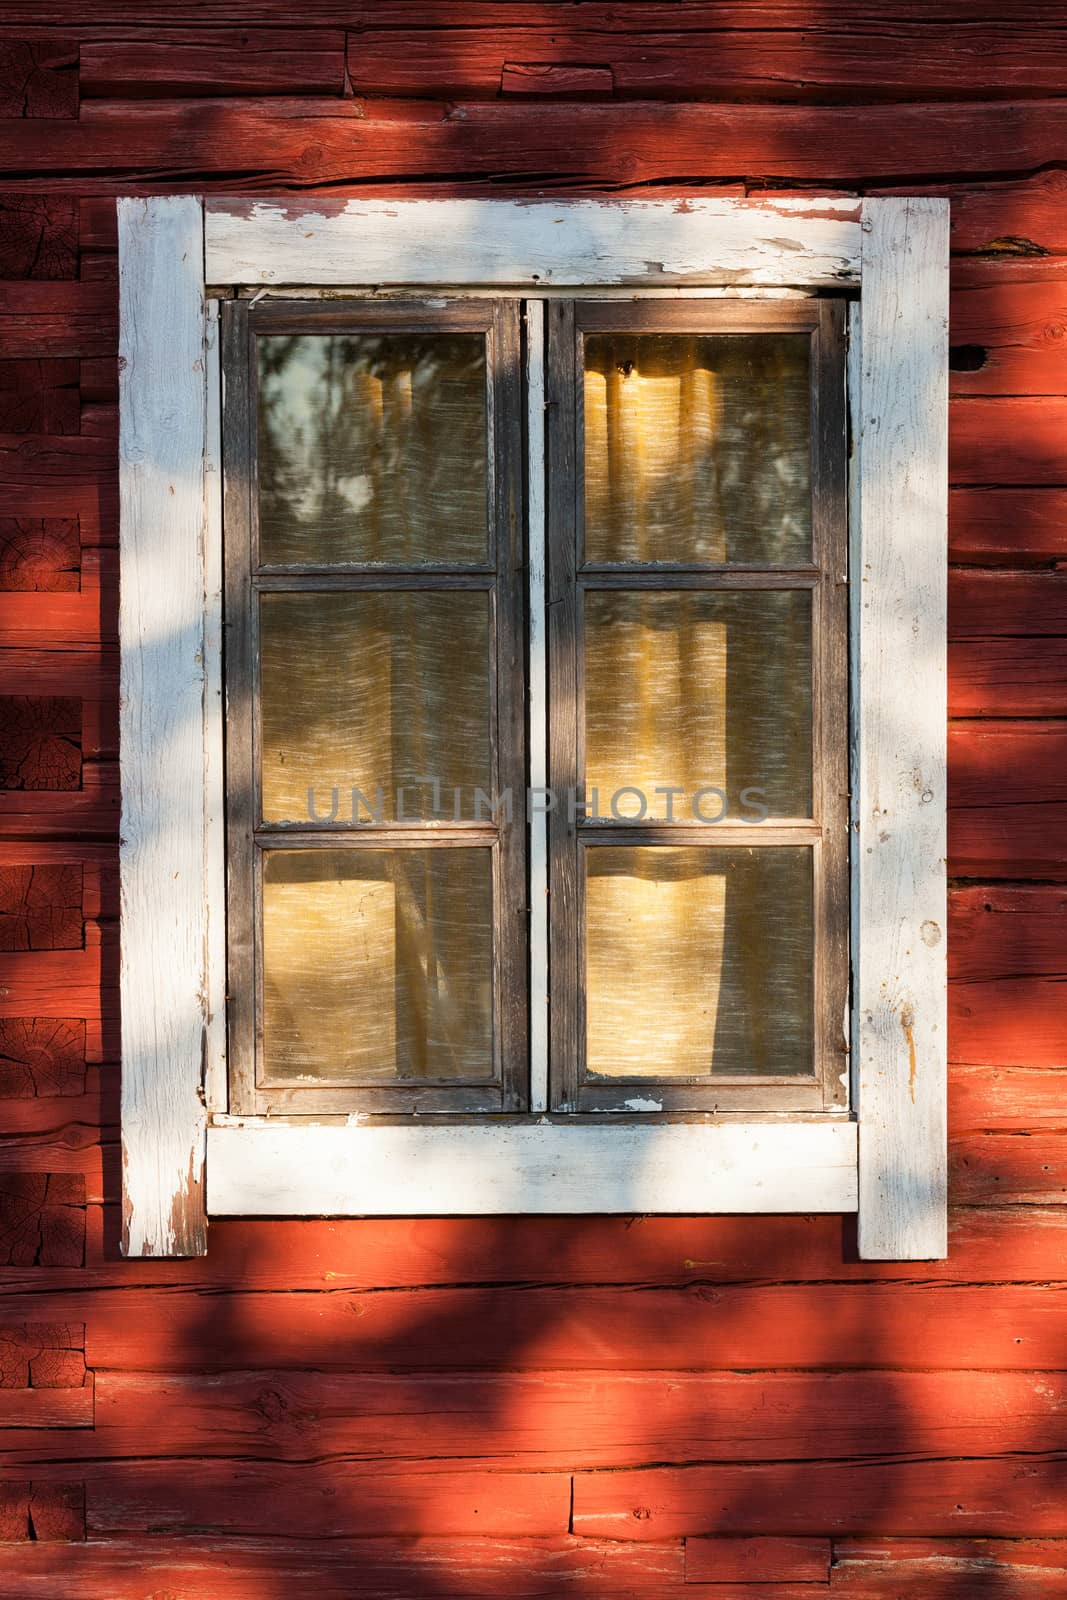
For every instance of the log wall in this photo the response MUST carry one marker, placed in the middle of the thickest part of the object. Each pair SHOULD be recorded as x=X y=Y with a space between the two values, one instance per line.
x=653 y=1408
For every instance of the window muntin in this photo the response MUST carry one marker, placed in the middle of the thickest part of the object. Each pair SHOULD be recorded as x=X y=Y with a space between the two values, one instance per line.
x=719 y=619
x=374 y=672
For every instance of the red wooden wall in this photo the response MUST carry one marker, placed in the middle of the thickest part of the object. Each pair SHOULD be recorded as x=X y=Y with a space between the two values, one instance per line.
x=533 y=1408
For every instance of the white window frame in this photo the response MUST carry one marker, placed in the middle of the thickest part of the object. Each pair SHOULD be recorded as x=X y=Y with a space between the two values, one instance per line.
x=886 y=1157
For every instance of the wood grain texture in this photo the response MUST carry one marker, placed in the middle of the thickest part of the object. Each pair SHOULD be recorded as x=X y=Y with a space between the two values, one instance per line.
x=529 y=242
x=595 y=145
x=996 y=1498
x=132 y=61
x=899 y=589
x=161 y=628
x=894 y=1324
x=279 y=1169
x=565 y=1421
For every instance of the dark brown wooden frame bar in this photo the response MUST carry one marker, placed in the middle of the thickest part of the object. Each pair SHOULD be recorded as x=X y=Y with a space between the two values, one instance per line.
x=826 y=831
x=501 y=579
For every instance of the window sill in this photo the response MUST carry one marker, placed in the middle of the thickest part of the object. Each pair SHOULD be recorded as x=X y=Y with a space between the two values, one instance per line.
x=288 y=1169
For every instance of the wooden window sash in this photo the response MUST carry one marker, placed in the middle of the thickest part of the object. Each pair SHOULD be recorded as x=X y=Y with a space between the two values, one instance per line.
x=826 y=831
x=500 y=580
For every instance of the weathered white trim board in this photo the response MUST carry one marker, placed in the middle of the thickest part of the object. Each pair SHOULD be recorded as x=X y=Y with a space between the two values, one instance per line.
x=163 y=891
x=899 y=779
x=278 y=1169
x=532 y=243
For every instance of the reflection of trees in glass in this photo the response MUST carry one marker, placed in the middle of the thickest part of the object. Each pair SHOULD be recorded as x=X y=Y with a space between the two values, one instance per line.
x=697 y=447
x=372 y=448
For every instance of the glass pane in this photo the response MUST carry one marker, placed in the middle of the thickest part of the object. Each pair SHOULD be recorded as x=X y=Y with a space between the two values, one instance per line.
x=697 y=447
x=698 y=962
x=372 y=448
x=371 y=692
x=699 y=691
x=377 y=965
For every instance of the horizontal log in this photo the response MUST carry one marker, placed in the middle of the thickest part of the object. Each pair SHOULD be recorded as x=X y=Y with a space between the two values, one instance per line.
x=1012 y=1022
x=766 y=1560
x=137 y=62
x=1007 y=643
x=1008 y=1098
x=1021 y=1167
x=193 y=1567
x=265 y=1256
x=717 y=62
x=1024 y=677
x=39 y=554
x=898 y=1325
x=57 y=319
x=1008 y=327
x=1003 y=1498
x=1017 y=527
x=62 y=621
x=566 y=1421
x=54 y=1409
x=261 y=144
x=40 y=396
x=936 y=1577
x=1008 y=440
x=337 y=1501
x=1007 y=799
x=38 y=76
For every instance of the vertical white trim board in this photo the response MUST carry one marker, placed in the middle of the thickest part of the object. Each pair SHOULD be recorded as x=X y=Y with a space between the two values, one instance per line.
x=900 y=1030
x=161 y=729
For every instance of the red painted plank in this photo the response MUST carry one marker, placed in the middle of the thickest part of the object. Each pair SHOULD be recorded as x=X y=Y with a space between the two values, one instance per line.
x=1021 y=1167
x=1024 y=677
x=1011 y=215
x=58 y=319
x=1008 y=799
x=1011 y=314
x=1006 y=441
x=39 y=554
x=898 y=1325
x=999 y=1497
x=54 y=983
x=1006 y=1098
x=198 y=1566
x=984 y=605
x=41 y=1057
x=1007 y=527
x=709 y=61
x=57 y=1410
x=565 y=1421
x=260 y=144
x=766 y=1560
x=136 y=62
x=261 y=1256
x=40 y=396
x=340 y=1500
x=997 y=931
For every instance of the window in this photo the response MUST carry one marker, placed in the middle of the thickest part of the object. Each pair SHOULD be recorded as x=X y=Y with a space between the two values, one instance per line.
x=486 y=711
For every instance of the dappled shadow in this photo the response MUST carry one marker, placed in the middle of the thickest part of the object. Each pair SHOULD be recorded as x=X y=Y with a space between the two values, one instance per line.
x=466 y=1396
